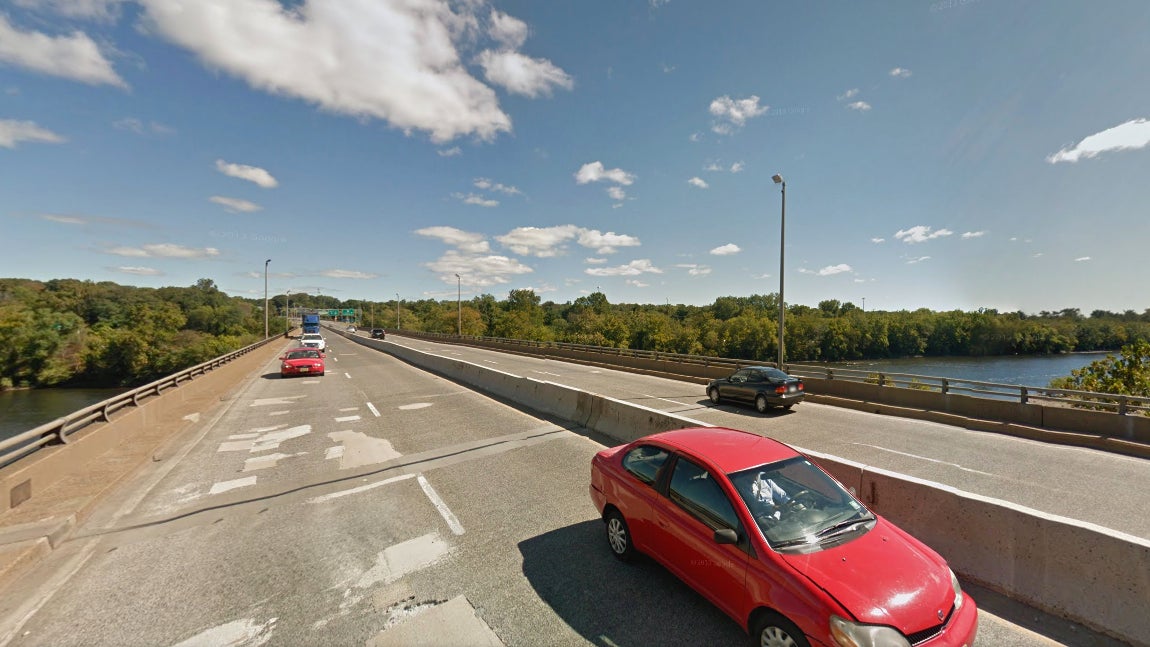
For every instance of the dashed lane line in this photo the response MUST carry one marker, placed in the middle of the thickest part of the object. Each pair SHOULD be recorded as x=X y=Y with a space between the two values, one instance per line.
x=373 y=409
x=444 y=511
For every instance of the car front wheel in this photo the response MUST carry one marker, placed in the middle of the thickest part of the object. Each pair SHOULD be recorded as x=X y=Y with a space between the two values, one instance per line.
x=619 y=537
x=713 y=393
x=761 y=403
x=773 y=630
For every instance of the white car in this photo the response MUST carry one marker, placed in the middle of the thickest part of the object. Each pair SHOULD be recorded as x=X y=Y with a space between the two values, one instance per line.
x=313 y=340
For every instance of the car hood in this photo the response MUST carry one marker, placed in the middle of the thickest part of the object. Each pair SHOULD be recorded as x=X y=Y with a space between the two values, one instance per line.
x=884 y=576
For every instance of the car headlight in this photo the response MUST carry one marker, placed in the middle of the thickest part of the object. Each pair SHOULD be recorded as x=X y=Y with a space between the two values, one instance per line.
x=958 y=597
x=851 y=634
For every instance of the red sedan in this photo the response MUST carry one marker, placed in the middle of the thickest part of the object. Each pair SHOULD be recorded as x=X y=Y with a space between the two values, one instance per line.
x=302 y=361
x=776 y=543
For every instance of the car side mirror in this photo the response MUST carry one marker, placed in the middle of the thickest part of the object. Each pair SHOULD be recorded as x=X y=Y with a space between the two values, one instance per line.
x=726 y=536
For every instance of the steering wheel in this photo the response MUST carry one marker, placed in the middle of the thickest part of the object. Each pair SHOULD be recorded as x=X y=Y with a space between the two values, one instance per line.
x=804 y=493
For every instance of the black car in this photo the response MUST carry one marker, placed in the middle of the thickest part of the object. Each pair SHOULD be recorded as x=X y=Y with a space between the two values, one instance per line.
x=764 y=386
x=377 y=333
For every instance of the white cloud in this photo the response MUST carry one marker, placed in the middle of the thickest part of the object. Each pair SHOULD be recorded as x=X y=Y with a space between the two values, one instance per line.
x=594 y=261
x=698 y=182
x=861 y=106
x=13 y=132
x=1132 y=135
x=137 y=270
x=395 y=61
x=465 y=241
x=734 y=113
x=74 y=57
x=507 y=30
x=476 y=271
x=605 y=243
x=101 y=10
x=737 y=167
x=235 y=205
x=616 y=193
x=634 y=268
x=67 y=220
x=595 y=172
x=918 y=259
x=694 y=269
x=849 y=94
x=695 y=137
x=726 y=250
x=348 y=274
x=637 y=283
x=471 y=198
x=520 y=74
x=878 y=240
x=900 y=73
x=542 y=242
x=1081 y=259
x=966 y=235
x=140 y=128
x=920 y=234
x=252 y=174
x=831 y=270
x=454 y=151
x=488 y=185
x=163 y=250
x=713 y=166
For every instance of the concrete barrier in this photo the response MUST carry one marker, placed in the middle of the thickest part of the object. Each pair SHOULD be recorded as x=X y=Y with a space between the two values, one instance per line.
x=1092 y=575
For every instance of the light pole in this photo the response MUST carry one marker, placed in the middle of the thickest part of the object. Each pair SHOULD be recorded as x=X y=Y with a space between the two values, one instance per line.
x=266 y=297
x=782 y=251
x=287 y=313
x=397 y=311
x=459 y=302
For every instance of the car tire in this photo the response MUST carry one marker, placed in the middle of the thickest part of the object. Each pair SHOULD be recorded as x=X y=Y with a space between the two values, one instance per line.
x=788 y=407
x=761 y=403
x=713 y=394
x=773 y=630
x=619 y=537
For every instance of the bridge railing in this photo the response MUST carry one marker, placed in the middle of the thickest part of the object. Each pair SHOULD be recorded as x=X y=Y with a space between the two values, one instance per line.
x=1023 y=394
x=57 y=431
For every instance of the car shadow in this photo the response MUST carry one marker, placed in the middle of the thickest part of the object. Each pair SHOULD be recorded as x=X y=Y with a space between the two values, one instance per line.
x=612 y=603
x=746 y=409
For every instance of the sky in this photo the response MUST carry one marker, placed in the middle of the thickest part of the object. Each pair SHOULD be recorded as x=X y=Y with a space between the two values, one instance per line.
x=954 y=154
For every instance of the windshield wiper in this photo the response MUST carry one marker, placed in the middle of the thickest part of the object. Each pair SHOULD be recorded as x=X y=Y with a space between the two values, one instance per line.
x=843 y=526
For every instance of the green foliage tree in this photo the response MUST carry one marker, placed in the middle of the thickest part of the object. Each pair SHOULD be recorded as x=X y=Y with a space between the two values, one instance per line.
x=1126 y=374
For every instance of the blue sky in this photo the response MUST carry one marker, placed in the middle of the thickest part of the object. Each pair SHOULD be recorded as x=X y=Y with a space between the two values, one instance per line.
x=955 y=154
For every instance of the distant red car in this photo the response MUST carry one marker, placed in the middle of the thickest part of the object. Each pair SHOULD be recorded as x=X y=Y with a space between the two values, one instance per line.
x=302 y=361
x=776 y=543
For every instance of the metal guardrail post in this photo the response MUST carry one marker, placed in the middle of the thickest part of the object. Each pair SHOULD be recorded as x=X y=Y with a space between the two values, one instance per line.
x=1122 y=403
x=1023 y=394
x=945 y=386
x=881 y=379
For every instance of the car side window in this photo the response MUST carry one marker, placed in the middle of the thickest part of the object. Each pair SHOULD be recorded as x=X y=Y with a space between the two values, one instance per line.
x=739 y=376
x=644 y=462
x=697 y=492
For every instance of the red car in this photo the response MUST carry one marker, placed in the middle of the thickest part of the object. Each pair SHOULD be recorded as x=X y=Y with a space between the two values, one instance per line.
x=776 y=543
x=302 y=361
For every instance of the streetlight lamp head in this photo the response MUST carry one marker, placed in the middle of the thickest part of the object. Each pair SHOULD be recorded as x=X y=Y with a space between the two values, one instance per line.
x=777 y=178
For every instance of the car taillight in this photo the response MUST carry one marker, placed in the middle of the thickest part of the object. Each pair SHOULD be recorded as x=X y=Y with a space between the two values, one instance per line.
x=801 y=386
x=782 y=388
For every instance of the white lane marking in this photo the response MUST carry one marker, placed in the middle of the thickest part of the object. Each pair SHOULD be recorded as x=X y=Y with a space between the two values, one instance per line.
x=278 y=413
x=547 y=373
x=309 y=381
x=272 y=440
x=263 y=402
x=346 y=418
x=349 y=409
x=236 y=446
x=334 y=358
x=268 y=460
x=243 y=436
x=333 y=452
x=491 y=361
x=417 y=405
x=356 y=490
x=931 y=460
x=403 y=558
x=224 y=486
x=685 y=404
x=194 y=417
x=361 y=449
x=347 y=375
x=444 y=511
x=373 y=409
x=236 y=632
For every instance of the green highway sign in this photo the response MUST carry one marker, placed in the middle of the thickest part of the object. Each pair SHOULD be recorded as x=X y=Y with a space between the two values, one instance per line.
x=349 y=312
x=333 y=313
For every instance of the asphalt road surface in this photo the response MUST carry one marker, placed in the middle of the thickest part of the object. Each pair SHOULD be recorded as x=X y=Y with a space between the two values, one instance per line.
x=381 y=505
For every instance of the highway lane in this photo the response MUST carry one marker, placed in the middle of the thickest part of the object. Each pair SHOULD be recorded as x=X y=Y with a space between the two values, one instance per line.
x=298 y=516
x=1083 y=484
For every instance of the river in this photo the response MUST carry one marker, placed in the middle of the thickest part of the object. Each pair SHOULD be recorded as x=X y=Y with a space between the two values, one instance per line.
x=26 y=409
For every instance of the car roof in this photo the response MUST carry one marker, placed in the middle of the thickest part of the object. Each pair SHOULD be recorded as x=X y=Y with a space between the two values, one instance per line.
x=730 y=450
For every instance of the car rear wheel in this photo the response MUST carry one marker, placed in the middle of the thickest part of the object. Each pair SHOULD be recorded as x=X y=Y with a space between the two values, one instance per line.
x=761 y=403
x=773 y=630
x=713 y=393
x=619 y=537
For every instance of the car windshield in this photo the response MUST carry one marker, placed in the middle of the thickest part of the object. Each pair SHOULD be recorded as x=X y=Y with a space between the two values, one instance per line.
x=796 y=504
x=303 y=354
x=773 y=374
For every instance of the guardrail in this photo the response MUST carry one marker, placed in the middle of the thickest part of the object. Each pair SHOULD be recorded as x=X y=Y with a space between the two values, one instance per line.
x=57 y=431
x=1115 y=403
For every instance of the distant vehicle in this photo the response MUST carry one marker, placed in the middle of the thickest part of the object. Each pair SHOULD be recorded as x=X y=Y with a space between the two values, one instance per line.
x=351 y=328
x=302 y=361
x=377 y=333
x=313 y=340
x=775 y=543
x=763 y=386
x=311 y=323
